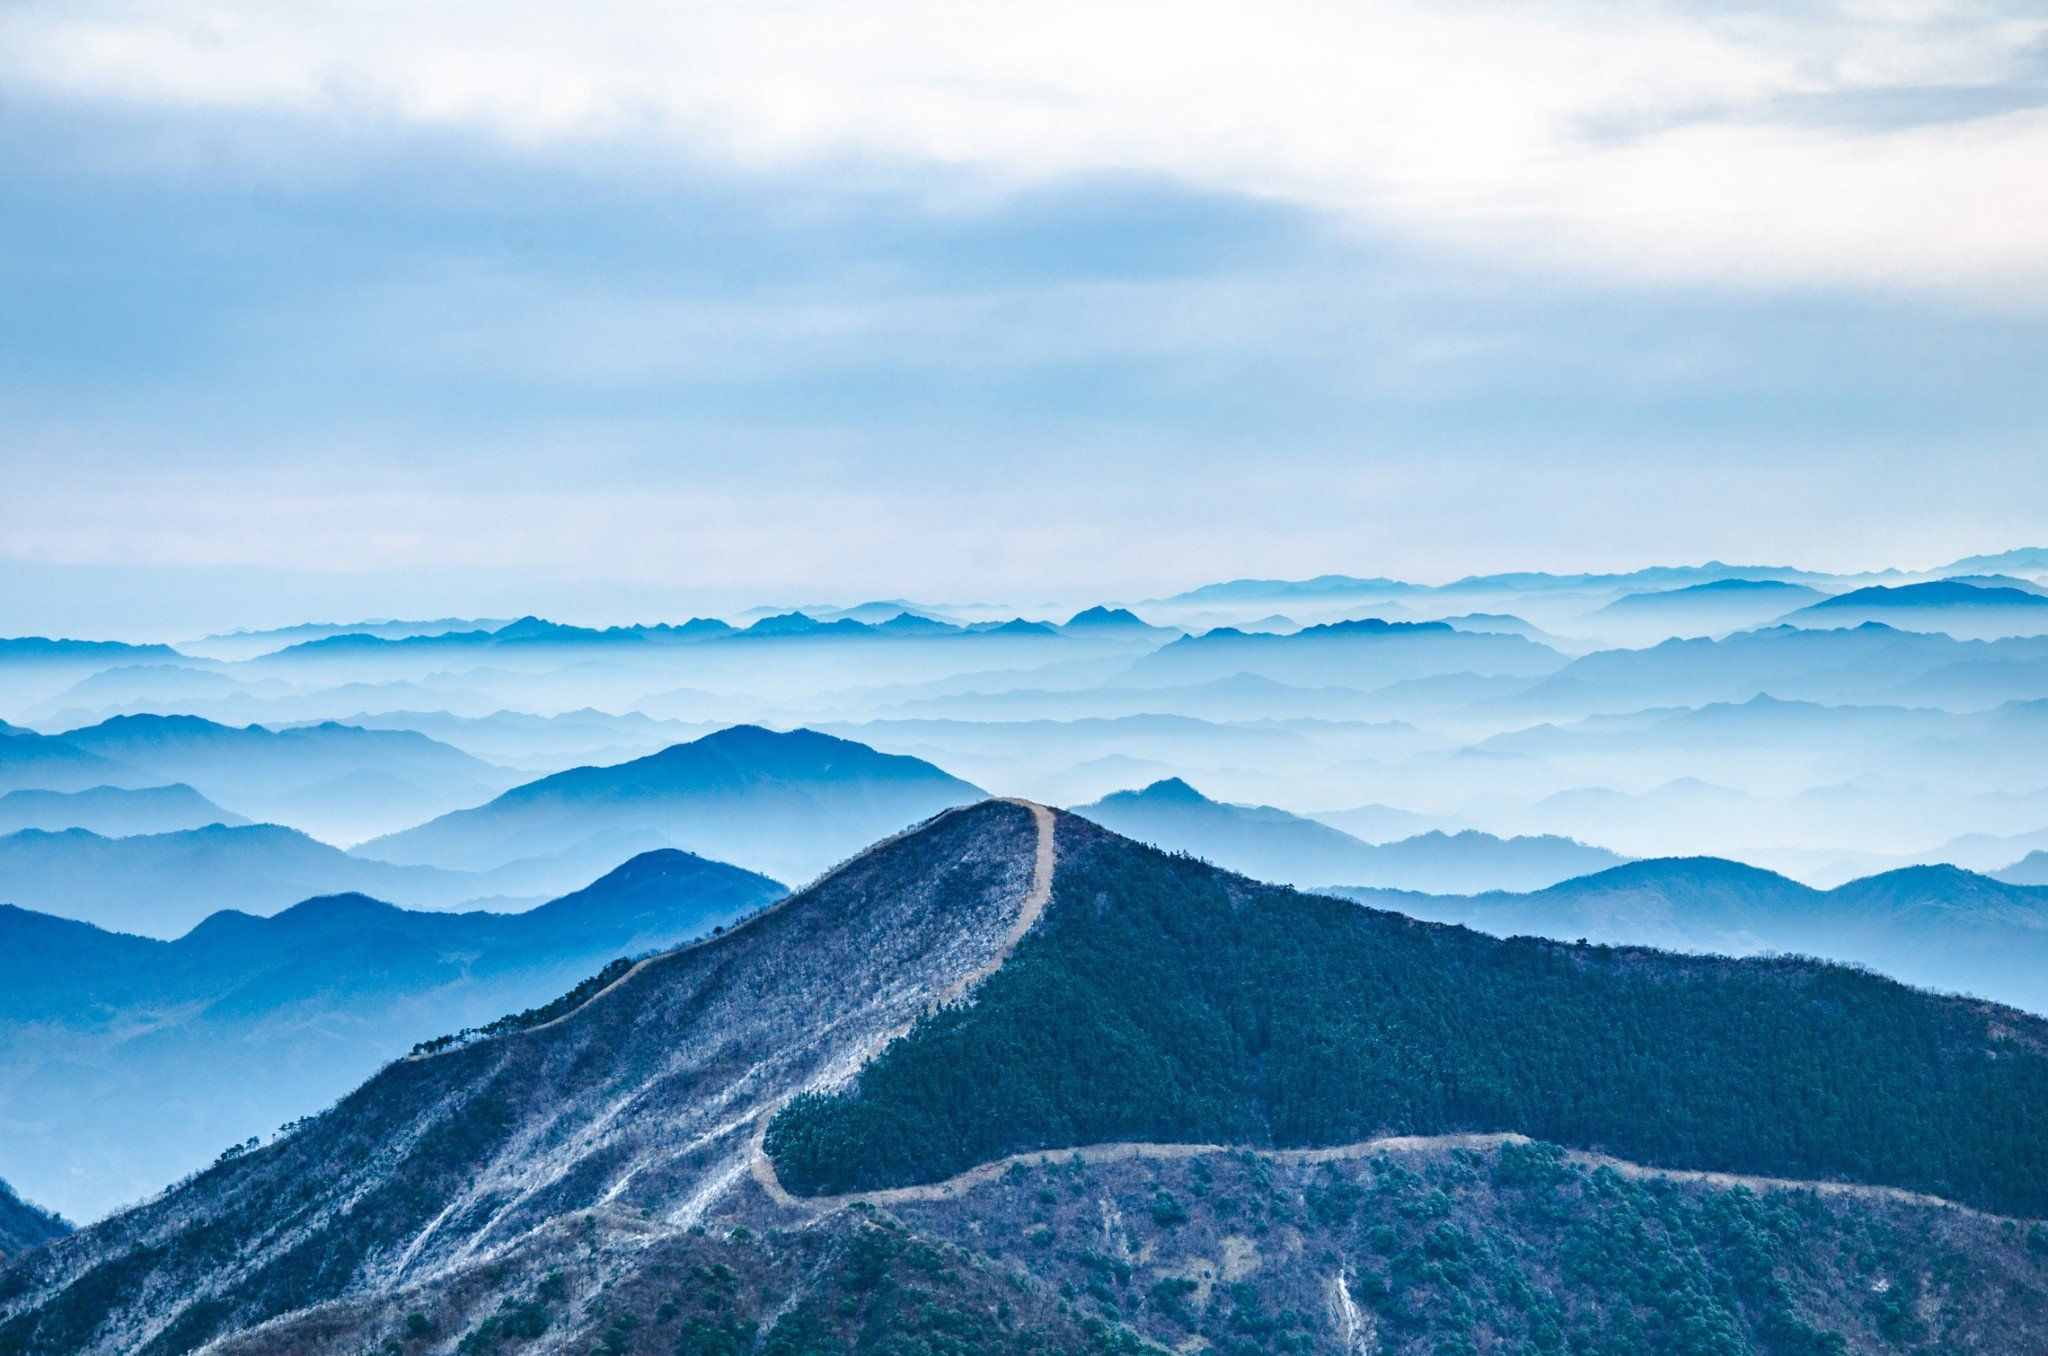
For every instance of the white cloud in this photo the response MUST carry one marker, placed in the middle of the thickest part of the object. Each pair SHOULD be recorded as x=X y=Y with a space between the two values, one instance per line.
x=1487 y=127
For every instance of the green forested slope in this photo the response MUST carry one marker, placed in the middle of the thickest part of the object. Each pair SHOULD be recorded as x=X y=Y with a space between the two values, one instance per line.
x=1162 y=999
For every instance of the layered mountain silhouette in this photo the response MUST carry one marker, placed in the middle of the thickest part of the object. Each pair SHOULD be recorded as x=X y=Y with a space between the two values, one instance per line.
x=112 y=811
x=1271 y=844
x=161 y=884
x=642 y=1168
x=1868 y=663
x=1938 y=926
x=245 y=1022
x=1712 y=608
x=789 y=804
x=2031 y=869
x=1344 y=653
x=1966 y=611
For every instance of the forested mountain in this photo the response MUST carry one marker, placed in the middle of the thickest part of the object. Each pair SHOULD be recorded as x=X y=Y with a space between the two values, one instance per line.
x=1273 y=845
x=590 y=1180
x=788 y=804
x=1937 y=926
x=246 y=1022
x=24 y=1226
x=112 y=811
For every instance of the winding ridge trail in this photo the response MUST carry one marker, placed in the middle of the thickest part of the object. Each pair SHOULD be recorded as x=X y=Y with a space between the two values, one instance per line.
x=1029 y=909
x=1033 y=905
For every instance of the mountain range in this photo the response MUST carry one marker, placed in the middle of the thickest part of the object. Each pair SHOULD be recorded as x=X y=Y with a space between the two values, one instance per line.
x=245 y=1022
x=1271 y=844
x=332 y=780
x=789 y=804
x=1938 y=926
x=1173 y=1103
x=112 y=811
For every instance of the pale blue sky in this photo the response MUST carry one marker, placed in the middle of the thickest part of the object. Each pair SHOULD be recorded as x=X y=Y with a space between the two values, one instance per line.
x=382 y=313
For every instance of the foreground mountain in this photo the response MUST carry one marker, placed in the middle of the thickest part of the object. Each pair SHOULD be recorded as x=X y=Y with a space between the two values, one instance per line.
x=1937 y=926
x=24 y=1226
x=246 y=1022
x=787 y=804
x=1271 y=844
x=635 y=1170
x=112 y=811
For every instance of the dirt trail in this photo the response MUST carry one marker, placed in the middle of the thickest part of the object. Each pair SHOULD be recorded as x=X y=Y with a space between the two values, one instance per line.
x=1029 y=909
x=1125 y=1151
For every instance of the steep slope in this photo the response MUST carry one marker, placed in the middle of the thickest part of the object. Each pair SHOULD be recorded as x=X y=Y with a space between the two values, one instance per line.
x=112 y=811
x=589 y=1182
x=24 y=1226
x=787 y=804
x=1938 y=926
x=1271 y=844
x=643 y=1099
x=246 y=1022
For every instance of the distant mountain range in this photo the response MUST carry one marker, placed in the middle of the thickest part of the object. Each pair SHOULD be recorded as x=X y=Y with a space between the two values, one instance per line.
x=332 y=780
x=245 y=1021
x=1271 y=844
x=1868 y=663
x=2031 y=870
x=1965 y=611
x=1712 y=608
x=790 y=804
x=1340 y=653
x=648 y=1165
x=161 y=884
x=1938 y=926
x=112 y=811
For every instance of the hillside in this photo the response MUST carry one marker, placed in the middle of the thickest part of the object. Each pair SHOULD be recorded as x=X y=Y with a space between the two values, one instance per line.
x=24 y=1226
x=1271 y=844
x=1224 y=1011
x=786 y=804
x=590 y=1182
x=1937 y=926
x=112 y=811
x=246 y=1022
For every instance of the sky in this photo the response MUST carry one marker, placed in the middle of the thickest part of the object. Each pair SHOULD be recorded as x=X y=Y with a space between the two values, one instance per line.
x=623 y=311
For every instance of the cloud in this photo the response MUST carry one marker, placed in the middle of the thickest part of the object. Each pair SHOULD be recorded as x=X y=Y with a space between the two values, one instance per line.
x=1874 y=144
